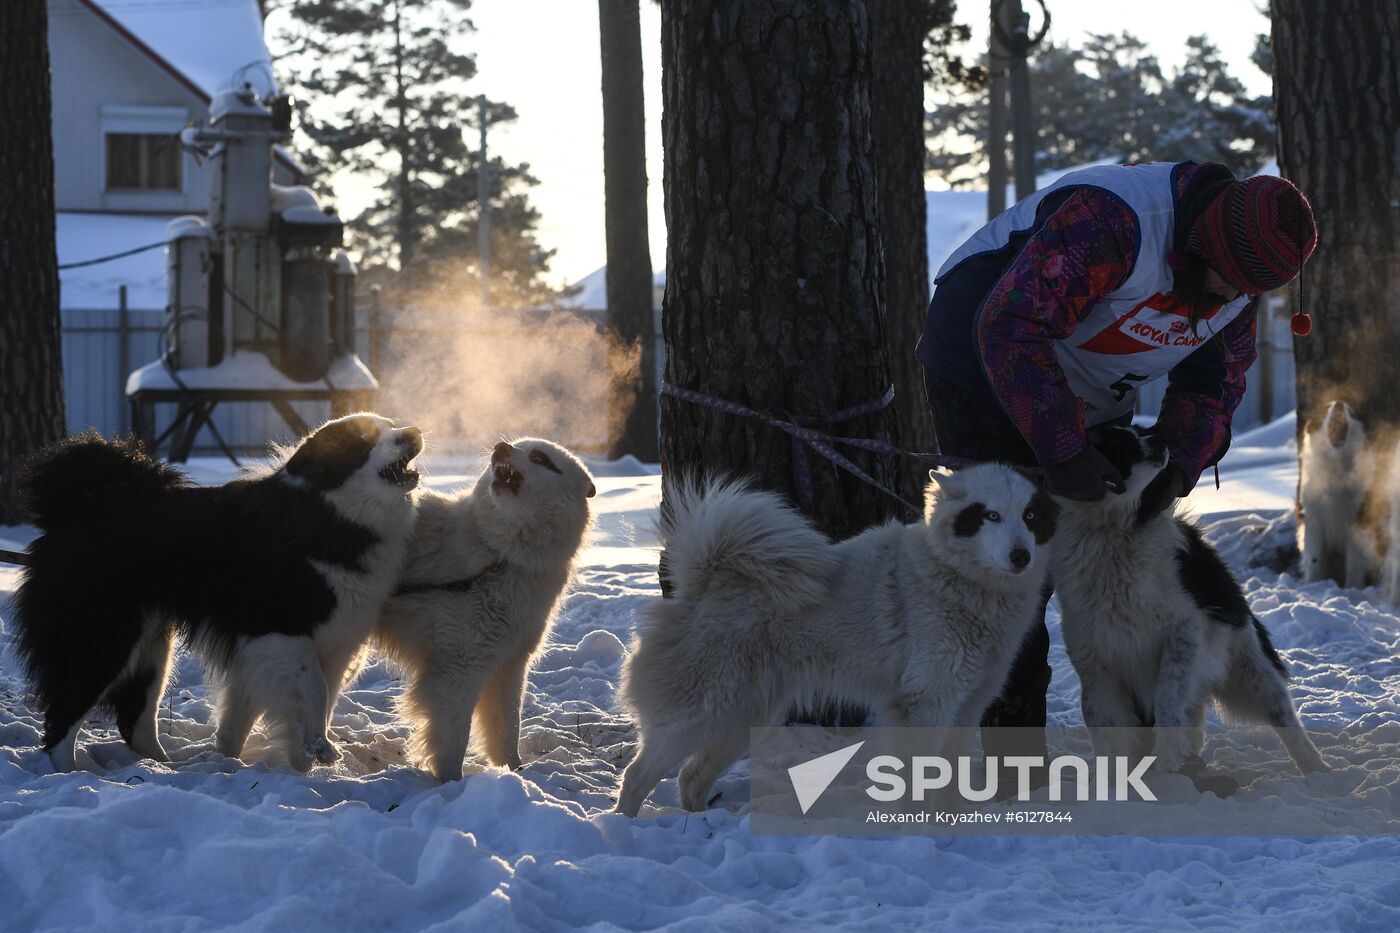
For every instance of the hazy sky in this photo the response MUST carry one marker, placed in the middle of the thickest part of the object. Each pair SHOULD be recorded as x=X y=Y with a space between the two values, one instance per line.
x=542 y=57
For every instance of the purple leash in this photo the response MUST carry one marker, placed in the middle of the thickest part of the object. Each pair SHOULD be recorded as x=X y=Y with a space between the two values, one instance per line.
x=804 y=436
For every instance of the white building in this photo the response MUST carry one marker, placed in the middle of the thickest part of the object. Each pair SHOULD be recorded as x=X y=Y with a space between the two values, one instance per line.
x=127 y=77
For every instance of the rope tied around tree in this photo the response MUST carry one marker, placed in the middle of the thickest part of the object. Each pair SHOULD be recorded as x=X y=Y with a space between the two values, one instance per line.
x=803 y=435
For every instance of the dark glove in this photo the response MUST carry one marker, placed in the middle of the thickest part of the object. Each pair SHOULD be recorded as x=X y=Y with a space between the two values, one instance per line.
x=1168 y=486
x=1085 y=477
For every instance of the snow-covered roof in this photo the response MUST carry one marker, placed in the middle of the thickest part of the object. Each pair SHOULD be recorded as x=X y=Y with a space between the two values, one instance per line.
x=593 y=294
x=212 y=44
x=89 y=236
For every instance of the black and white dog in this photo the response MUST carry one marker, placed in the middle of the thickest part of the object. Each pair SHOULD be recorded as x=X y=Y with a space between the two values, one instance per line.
x=1157 y=626
x=275 y=582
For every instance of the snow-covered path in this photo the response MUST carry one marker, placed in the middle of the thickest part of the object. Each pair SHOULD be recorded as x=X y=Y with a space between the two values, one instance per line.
x=373 y=844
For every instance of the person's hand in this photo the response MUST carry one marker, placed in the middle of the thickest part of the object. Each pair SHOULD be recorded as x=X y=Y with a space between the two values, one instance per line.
x=1085 y=477
x=1166 y=487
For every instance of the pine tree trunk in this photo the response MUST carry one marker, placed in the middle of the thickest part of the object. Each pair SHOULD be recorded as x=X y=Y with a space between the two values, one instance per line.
x=897 y=30
x=406 y=235
x=775 y=288
x=1337 y=96
x=31 y=364
x=632 y=387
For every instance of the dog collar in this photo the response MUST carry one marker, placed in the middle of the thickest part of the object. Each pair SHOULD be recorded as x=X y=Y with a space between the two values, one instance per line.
x=463 y=585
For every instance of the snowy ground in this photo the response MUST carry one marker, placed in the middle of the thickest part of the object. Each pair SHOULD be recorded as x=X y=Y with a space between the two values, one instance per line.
x=373 y=844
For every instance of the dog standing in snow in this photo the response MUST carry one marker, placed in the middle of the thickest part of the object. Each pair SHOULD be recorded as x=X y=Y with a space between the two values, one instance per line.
x=918 y=622
x=484 y=576
x=1338 y=467
x=1156 y=625
x=274 y=582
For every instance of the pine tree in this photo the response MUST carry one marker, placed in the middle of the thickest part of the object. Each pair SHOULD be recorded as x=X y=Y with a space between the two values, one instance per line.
x=1337 y=90
x=1111 y=99
x=774 y=275
x=31 y=365
x=910 y=45
x=387 y=96
x=631 y=315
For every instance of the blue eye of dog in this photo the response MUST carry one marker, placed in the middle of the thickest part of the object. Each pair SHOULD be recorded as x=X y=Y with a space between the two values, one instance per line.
x=540 y=457
x=993 y=517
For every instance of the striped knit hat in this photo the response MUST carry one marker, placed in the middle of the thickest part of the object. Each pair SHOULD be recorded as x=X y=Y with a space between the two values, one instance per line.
x=1257 y=233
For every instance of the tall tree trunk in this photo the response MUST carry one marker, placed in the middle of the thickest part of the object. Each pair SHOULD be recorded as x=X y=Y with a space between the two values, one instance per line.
x=897 y=29
x=774 y=288
x=1337 y=96
x=31 y=364
x=406 y=235
x=631 y=318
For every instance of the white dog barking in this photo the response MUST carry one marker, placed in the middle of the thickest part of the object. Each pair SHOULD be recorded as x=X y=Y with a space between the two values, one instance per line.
x=484 y=576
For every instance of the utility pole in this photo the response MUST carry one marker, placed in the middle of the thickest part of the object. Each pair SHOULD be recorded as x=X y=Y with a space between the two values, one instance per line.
x=1022 y=124
x=483 y=206
x=997 y=58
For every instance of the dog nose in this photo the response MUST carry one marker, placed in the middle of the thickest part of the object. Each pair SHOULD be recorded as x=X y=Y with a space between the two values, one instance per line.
x=1020 y=557
x=410 y=435
x=502 y=451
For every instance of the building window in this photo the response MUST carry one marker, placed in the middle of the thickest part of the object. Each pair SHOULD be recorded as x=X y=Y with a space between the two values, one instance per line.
x=143 y=162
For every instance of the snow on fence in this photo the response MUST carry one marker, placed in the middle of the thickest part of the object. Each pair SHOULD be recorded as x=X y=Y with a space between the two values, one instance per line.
x=101 y=346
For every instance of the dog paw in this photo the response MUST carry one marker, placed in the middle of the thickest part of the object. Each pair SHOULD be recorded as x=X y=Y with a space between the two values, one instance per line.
x=322 y=750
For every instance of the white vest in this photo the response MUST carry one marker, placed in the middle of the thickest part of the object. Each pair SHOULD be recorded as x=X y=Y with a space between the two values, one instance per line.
x=1136 y=333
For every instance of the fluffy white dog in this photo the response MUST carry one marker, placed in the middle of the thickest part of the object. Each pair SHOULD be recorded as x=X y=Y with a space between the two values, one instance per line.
x=918 y=622
x=1338 y=469
x=485 y=572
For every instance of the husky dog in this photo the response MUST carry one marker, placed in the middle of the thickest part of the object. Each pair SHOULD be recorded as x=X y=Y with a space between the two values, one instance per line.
x=1156 y=625
x=918 y=622
x=484 y=576
x=275 y=582
x=1337 y=472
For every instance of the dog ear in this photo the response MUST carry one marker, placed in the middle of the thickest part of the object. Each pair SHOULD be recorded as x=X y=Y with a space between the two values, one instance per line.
x=329 y=457
x=947 y=486
x=948 y=483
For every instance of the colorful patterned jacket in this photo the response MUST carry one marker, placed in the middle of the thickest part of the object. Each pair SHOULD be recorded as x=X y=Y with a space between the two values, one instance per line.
x=992 y=324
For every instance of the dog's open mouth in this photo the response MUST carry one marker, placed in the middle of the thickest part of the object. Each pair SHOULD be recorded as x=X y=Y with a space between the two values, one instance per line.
x=507 y=477
x=400 y=474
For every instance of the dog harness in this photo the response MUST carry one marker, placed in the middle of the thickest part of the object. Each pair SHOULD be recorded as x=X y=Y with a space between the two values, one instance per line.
x=463 y=585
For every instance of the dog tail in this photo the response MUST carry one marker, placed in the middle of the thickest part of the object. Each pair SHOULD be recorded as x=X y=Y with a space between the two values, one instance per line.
x=721 y=528
x=86 y=476
x=1266 y=645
